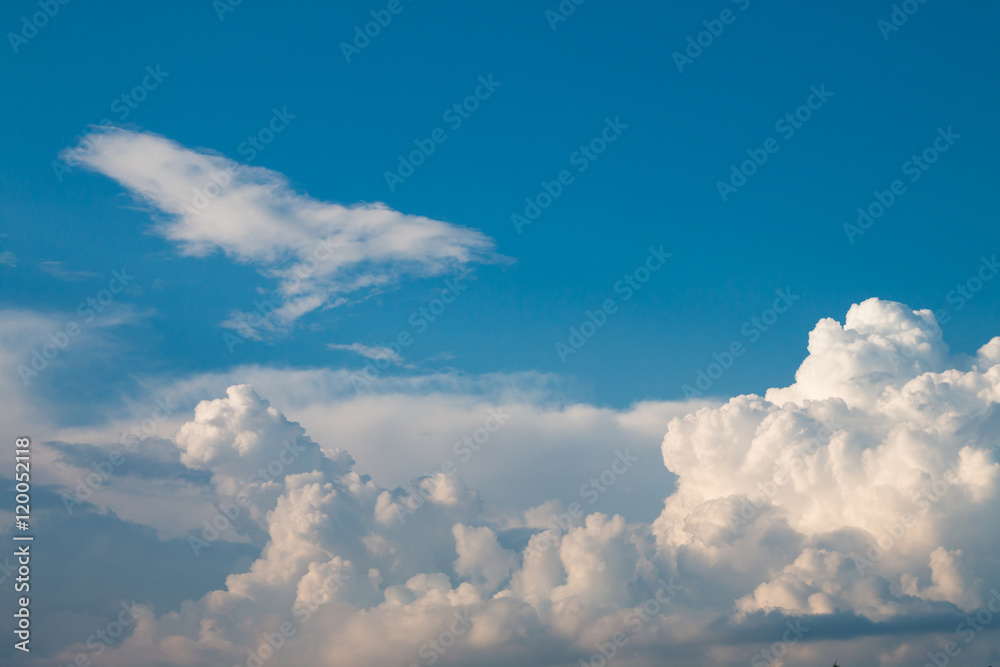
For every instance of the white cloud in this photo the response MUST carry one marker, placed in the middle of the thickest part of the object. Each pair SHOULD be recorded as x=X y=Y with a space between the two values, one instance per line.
x=480 y=557
x=319 y=252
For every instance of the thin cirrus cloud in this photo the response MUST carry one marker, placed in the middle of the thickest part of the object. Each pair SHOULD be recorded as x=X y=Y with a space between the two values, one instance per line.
x=7 y=258
x=319 y=252
x=376 y=352
x=59 y=271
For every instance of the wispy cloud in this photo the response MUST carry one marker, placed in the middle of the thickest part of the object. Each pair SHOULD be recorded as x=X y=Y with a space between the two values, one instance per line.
x=59 y=270
x=318 y=251
x=376 y=352
x=6 y=257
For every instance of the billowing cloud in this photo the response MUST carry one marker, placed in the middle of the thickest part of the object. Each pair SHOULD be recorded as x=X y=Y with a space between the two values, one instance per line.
x=319 y=252
x=852 y=505
x=866 y=468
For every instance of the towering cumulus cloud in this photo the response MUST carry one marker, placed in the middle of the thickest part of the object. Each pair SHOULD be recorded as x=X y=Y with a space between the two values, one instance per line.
x=320 y=252
x=864 y=494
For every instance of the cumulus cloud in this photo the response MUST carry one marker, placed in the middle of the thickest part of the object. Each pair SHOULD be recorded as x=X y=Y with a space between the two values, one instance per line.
x=543 y=430
x=873 y=468
x=319 y=252
x=865 y=491
x=480 y=556
x=880 y=344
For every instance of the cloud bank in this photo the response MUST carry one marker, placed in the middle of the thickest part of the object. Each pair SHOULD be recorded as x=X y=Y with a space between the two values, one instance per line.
x=851 y=505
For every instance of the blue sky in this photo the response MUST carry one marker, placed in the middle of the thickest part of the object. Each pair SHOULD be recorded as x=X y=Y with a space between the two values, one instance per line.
x=655 y=185
x=601 y=237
